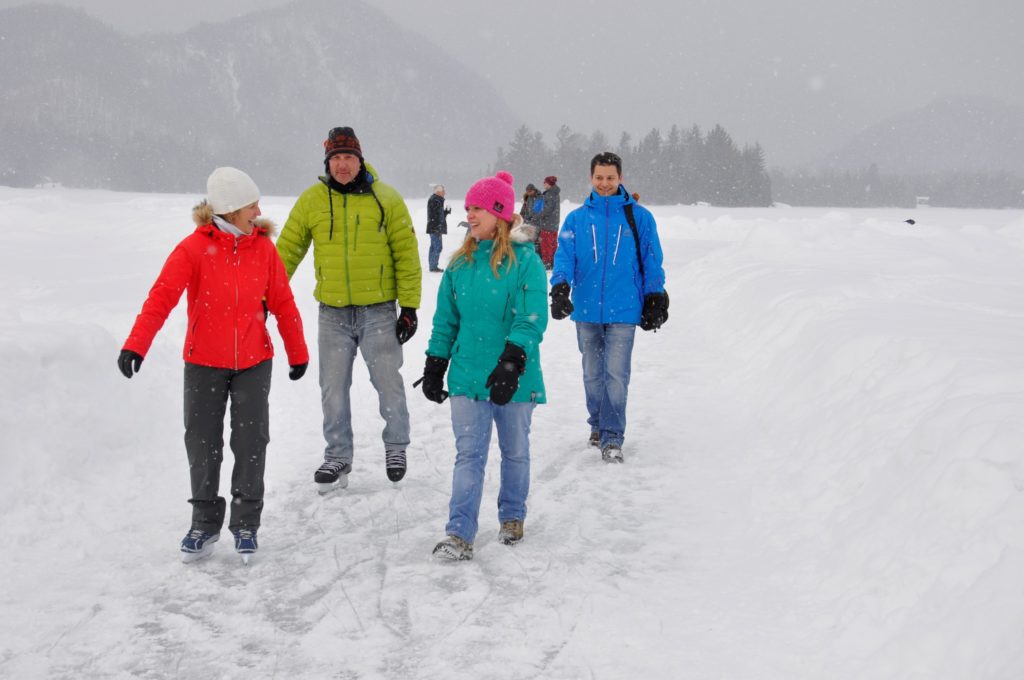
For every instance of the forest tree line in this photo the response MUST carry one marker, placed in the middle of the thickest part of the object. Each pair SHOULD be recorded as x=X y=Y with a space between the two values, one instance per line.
x=689 y=166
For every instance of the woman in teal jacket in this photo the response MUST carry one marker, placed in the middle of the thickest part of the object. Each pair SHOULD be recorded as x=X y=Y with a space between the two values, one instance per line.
x=491 y=315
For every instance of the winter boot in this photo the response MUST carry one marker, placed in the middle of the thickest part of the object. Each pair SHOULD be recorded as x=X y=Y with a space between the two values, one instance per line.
x=611 y=453
x=394 y=463
x=595 y=439
x=197 y=544
x=453 y=548
x=511 y=531
x=333 y=474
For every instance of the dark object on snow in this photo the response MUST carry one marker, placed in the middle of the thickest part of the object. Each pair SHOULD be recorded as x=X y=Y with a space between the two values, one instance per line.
x=297 y=371
x=910 y=222
x=406 y=325
x=128 y=360
x=655 y=312
x=504 y=379
x=433 y=379
x=561 y=305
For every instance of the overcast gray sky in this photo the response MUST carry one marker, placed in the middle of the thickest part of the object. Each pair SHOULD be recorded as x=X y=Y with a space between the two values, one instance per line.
x=800 y=76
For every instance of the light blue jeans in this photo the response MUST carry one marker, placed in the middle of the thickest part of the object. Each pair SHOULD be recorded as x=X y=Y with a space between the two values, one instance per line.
x=607 y=351
x=471 y=422
x=371 y=331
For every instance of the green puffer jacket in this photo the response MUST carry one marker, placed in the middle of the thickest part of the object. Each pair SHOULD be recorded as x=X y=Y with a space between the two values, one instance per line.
x=477 y=313
x=364 y=245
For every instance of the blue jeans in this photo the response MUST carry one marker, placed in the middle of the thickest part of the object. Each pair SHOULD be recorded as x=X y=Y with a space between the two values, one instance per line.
x=371 y=330
x=471 y=422
x=607 y=351
x=435 y=250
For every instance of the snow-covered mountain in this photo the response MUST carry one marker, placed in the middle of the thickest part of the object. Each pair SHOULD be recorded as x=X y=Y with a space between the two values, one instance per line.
x=966 y=134
x=86 y=106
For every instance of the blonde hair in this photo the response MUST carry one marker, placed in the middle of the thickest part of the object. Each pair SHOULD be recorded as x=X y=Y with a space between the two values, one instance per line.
x=501 y=249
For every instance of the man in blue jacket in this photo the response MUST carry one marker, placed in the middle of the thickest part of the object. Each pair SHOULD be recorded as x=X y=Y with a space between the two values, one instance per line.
x=608 y=275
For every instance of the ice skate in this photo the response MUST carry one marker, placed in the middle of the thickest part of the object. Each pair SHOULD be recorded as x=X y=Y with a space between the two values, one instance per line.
x=331 y=476
x=196 y=545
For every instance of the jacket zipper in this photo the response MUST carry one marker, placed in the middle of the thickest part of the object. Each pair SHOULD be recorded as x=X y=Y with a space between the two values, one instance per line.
x=348 y=264
x=235 y=278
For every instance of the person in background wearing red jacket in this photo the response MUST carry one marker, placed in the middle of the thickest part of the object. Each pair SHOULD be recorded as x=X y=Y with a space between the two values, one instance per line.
x=233 y=276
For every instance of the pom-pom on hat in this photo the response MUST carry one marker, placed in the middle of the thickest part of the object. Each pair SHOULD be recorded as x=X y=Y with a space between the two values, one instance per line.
x=228 y=189
x=342 y=140
x=495 y=195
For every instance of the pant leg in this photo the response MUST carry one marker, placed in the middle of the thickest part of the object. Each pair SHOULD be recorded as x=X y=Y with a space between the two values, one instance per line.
x=548 y=245
x=434 y=254
x=618 y=353
x=206 y=395
x=512 y=422
x=471 y=423
x=250 y=434
x=337 y=342
x=590 y=340
x=382 y=352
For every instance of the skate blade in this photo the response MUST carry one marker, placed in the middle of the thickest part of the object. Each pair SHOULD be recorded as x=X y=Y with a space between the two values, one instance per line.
x=324 y=488
x=190 y=557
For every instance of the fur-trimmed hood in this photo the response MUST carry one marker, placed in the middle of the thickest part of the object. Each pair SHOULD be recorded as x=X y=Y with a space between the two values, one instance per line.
x=524 y=233
x=203 y=214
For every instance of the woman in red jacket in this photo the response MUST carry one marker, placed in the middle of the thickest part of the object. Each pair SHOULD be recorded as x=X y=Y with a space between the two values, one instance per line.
x=233 y=276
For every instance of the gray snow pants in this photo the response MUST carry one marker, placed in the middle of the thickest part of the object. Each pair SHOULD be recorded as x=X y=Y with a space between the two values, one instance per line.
x=206 y=396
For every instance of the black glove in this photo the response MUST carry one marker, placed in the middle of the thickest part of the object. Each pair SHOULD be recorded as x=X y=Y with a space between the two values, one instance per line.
x=405 y=328
x=297 y=371
x=504 y=379
x=433 y=379
x=561 y=305
x=447 y=211
x=655 y=311
x=128 y=360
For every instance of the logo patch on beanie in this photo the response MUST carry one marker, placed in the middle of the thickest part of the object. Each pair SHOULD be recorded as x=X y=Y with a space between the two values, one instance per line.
x=499 y=207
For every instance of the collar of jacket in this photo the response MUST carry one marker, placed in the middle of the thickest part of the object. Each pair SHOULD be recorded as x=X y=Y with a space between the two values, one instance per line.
x=229 y=240
x=521 y=235
x=360 y=185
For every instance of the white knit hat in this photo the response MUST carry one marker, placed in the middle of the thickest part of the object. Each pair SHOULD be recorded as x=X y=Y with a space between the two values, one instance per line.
x=229 y=189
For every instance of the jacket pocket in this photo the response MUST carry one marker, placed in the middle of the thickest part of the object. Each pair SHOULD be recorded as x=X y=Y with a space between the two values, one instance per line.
x=192 y=336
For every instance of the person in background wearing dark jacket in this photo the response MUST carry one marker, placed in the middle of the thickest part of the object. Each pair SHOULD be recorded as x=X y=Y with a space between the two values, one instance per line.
x=437 y=225
x=548 y=212
x=233 y=276
x=616 y=281
x=528 y=214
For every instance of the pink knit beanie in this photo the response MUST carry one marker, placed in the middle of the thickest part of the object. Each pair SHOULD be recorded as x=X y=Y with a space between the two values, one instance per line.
x=495 y=195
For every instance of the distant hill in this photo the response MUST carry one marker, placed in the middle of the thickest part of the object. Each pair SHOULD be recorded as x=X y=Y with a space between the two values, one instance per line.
x=968 y=134
x=86 y=106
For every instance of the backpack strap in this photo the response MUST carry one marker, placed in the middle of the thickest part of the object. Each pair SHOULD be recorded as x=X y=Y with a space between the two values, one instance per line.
x=628 y=208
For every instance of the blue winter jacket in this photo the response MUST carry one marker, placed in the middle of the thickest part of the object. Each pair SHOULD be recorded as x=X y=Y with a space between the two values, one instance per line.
x=597 y=257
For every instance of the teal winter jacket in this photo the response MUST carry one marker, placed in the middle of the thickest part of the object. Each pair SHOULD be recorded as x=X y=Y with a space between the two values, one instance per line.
x=477 y=313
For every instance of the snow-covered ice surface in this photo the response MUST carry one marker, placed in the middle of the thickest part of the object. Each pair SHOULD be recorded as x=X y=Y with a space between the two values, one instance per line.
x=824 y=474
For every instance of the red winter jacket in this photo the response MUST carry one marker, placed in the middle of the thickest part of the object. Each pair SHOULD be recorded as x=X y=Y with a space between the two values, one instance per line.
x=227 y=280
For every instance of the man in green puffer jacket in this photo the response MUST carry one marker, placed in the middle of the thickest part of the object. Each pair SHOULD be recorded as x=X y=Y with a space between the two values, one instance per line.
x=366 y=257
